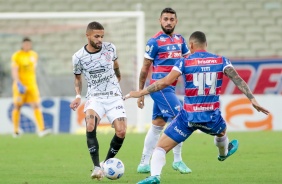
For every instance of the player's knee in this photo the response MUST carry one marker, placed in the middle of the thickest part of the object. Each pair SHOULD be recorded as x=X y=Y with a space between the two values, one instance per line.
x=90 y=126
x=121 y=132
x=91 y=122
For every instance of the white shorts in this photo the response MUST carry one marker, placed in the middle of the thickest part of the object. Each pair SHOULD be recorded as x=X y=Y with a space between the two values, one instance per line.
x=113 y=108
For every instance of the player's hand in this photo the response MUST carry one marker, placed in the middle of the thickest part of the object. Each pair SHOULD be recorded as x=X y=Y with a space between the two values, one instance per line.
x=132 y=94
x=74 y=104
x=21 y=88
x=258 y=107
x=140 y=102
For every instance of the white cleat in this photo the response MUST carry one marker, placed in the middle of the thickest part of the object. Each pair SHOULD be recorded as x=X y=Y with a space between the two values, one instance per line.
x=45 y=132
x=97 y=173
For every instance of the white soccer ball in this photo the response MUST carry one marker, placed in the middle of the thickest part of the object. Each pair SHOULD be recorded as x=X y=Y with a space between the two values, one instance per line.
x=113 y=168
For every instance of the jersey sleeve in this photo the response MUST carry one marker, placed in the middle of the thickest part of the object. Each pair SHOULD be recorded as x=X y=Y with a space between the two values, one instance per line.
x=184 y=48
x=151 y=49
x=76 y=65
x=14 y=60
x=179 y=66
x=114 y=53
x=226 y=62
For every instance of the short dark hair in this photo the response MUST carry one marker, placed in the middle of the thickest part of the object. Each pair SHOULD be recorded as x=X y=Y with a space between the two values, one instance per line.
x=95 y=26
x=168 y=10
x=199 y=36
x=26 y=39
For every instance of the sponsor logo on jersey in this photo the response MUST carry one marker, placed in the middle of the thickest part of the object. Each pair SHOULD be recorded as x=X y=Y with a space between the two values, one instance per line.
x=207 y=61
x=176 y=37
x=198 y=125
x=97 y=71
x=164 y=111
x=203 y=108
x=162 y=39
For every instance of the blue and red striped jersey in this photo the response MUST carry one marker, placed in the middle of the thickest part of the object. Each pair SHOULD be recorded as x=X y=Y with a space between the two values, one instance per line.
x=165 y=51
x=203 y=72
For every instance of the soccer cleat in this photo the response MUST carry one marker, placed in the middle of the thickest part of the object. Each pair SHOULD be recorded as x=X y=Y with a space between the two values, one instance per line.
x=143 y=168
x=232 y=148
x=151 y=180
x=102 y=164
x=97 y=173
x=45 y=132
x=181 y=167
x=16 y=135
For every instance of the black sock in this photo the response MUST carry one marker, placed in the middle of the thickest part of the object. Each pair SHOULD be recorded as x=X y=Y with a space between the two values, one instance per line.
x=115 y=145
x=93 y=145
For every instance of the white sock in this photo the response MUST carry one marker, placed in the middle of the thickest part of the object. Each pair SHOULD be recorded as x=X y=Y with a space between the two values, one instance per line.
x=158 y=161
x=150 y=143
x=222 y=144
x=177 y=152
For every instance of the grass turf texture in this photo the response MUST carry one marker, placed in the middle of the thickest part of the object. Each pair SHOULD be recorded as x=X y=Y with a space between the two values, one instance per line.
x=64 y=159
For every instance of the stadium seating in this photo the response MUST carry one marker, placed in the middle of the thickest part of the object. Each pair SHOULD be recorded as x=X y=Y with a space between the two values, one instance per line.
x=235 y=28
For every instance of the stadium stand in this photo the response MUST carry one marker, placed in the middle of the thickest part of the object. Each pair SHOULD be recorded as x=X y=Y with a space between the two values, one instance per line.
x=235 y=28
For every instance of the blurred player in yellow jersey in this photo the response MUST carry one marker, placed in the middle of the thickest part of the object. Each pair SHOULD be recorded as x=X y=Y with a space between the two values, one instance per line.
x=25 y=88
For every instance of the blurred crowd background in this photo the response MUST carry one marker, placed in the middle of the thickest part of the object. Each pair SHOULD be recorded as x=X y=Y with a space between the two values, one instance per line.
x=234 y=28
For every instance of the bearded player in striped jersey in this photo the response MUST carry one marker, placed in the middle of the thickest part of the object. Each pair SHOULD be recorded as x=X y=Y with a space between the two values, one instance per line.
x=98 y=62
x=203 y=72
x=162 y=51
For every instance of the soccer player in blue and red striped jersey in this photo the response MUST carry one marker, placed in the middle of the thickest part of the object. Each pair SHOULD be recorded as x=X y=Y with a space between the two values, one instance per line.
x=162 y=50
x=201 y=111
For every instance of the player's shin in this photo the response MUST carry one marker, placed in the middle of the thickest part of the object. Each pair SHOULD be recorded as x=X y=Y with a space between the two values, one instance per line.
x=39 y=119
x=150 y=143
x=93 y=146
x=115 y=145
x=158 y=161
x=177 y=152
x=222 y=144
x=16 y=119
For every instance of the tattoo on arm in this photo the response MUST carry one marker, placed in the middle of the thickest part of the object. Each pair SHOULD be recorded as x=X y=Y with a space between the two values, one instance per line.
x=238 y=81
x=117 y=72
x=144 y=73
x=78 y=84
x=156 y=86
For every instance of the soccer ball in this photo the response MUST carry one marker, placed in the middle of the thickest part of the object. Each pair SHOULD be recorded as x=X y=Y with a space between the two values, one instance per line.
x=113 y=168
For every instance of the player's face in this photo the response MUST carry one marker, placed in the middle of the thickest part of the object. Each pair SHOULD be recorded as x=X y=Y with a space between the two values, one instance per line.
x=168 y=22
x=26 y=46
x=95 y=38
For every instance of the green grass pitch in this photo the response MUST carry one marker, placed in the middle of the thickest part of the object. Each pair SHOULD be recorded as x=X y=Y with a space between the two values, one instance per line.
x=64 y=159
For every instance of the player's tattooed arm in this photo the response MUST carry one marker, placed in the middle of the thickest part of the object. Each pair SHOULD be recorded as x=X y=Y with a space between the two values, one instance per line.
x=231 y=73
x=144 y=72
x=116 y=69
x=78 y=84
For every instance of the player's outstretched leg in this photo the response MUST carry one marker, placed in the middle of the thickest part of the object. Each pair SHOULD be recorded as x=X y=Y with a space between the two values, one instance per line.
x=151 y=180
x=232 y=148
x=178 y=164
x=150 y=143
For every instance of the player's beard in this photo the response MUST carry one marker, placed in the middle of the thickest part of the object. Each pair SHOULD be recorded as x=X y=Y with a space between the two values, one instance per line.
x=94 y=45
x=167 y=31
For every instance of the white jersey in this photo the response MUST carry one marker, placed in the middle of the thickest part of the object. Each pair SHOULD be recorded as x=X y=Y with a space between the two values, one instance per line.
x=98 y=69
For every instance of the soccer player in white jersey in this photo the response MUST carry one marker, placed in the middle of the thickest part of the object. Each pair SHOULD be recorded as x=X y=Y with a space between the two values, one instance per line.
x=97 y=60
